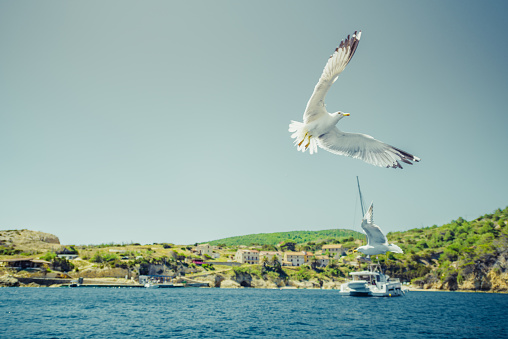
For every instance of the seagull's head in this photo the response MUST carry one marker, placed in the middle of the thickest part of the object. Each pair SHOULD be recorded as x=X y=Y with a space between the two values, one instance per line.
x=362 y=249
x=339 y=115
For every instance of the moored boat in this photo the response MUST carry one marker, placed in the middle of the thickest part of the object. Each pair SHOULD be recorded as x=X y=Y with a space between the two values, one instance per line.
x=372 y=283
x=163 y=285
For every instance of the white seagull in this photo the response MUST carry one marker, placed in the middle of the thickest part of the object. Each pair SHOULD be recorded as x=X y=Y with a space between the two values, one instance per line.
x=376 y=240
x=318 y=127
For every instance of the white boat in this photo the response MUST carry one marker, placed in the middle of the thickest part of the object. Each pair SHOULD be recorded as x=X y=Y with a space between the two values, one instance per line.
x=158 y=281
x=372 y=283
x=164 y=285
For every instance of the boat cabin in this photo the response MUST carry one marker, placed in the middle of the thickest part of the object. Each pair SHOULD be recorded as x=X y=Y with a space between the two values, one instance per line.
x=370 y=277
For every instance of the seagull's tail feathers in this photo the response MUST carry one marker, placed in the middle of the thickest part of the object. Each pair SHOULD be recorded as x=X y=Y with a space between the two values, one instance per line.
x=394 y=248
x=303 y=140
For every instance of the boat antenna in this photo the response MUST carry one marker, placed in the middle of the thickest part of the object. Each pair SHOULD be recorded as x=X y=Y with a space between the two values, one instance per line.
x=361 y=198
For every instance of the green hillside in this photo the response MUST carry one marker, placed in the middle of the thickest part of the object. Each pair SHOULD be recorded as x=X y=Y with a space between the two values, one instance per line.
x=295 y=236
x=450 y=254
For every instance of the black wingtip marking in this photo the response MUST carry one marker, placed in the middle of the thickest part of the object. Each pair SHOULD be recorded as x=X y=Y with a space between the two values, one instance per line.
x=405 y=157
x=349 y=43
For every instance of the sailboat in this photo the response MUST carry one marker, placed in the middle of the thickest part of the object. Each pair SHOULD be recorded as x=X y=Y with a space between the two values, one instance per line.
x=372 y=282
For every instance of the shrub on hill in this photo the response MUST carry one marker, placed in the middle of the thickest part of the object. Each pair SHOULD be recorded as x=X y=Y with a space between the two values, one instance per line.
x=49 y=256
x=62 y=264
x=101 y=258
x=9 y=251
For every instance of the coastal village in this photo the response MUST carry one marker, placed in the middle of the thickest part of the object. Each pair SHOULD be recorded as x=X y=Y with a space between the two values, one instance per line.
x=461 y=255
x=203 y=253
x=135 y=263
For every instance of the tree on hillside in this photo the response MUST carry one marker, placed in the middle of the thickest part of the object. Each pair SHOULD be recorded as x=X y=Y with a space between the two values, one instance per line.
x=267 y=247
x=314 y=262
x=288 y=245
x=275 y=262
x=264 y=261
x=62 y=264
x=333 y=263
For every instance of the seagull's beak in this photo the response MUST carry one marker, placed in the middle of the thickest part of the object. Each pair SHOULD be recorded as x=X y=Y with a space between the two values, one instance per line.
x=345 y=114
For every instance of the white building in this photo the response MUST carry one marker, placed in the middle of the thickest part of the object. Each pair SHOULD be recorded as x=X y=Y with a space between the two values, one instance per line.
x=204 y=249
x=335 y=250
x=247 y=256
x=294 y=258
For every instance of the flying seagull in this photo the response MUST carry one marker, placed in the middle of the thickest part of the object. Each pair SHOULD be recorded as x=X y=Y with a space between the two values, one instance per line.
x=376 y=240
x=318 y=126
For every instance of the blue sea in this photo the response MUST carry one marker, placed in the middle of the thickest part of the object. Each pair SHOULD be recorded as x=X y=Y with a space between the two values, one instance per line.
x=245 y=313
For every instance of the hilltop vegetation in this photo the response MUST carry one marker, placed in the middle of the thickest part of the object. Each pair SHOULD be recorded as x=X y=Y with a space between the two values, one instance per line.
x=299 y=237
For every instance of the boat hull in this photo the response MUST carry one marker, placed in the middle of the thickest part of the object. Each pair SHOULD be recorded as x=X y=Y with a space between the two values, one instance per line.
x=148 y=285
x=356 y=290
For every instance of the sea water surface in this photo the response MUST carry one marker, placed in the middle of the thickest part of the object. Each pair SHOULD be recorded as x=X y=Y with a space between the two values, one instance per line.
x=243 y=313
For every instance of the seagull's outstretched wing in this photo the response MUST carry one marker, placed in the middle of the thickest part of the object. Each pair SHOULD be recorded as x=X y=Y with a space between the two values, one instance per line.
x=335 y=65
x=374 y=234
x=369 y=216
x=364 y=147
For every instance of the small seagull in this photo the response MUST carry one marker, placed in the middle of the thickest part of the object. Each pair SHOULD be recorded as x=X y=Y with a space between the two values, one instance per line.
x=376 y=240
x=318 y=126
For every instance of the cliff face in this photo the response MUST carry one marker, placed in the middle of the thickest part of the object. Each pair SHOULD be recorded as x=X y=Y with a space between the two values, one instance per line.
x=486 y=272
x=244 y=279
x=26 y=240
x=240 y=280
x=493 y=280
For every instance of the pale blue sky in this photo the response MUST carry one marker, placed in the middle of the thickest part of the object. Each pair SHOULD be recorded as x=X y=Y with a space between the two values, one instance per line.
x=166 y=121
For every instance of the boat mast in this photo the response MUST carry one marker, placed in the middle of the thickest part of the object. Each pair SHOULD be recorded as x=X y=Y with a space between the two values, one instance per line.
x=361 y=202
x=361 y=198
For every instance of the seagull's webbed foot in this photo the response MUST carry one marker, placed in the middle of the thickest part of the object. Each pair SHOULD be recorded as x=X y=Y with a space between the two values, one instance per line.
x=301 y=142
x=308 y=144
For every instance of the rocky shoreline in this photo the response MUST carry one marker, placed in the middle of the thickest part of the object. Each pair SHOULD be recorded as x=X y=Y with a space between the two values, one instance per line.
x=224 y=281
